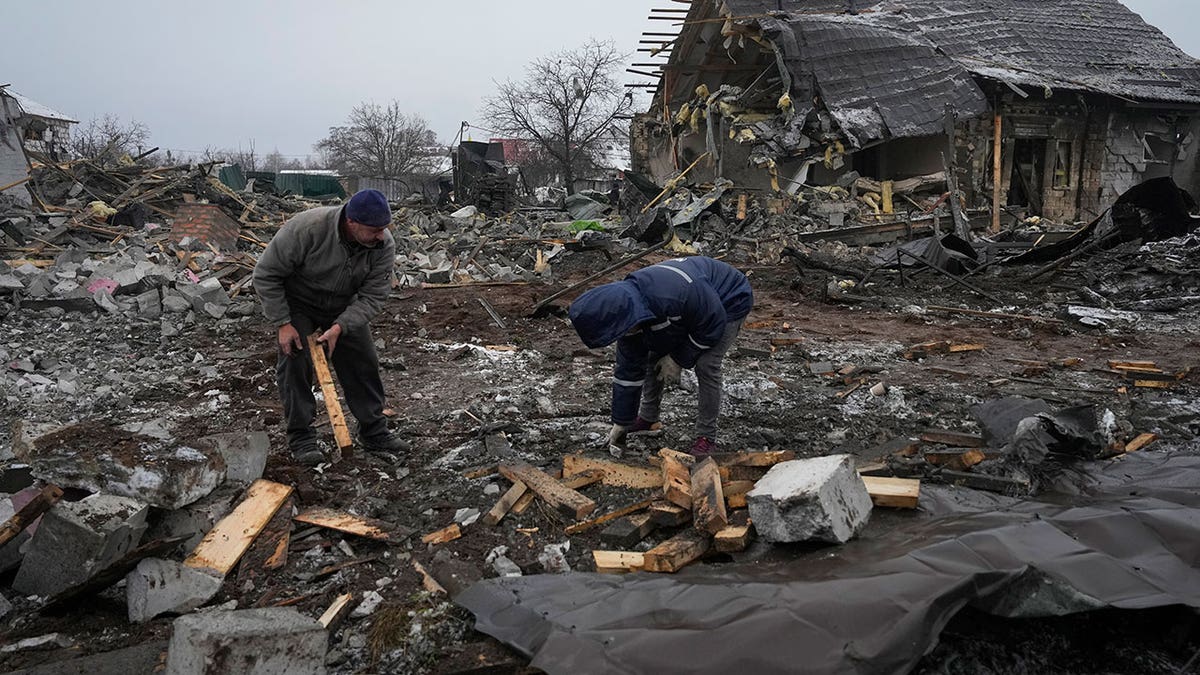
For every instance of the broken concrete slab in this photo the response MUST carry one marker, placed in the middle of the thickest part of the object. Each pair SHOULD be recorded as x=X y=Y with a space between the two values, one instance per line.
x=102 y=459
x=245 y=454
x=77 y=539
x=196 y=519
x=143 y=658
x=272 y=640
x=810 y=499
x=167 y=587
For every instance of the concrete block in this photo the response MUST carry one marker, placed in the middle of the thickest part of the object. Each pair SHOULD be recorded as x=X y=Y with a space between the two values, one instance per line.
x=245 y=454
x=196 y=519
x=272 y=641
x=94 y=457
x=167 y=587
x=78 y=539
x=810 y=499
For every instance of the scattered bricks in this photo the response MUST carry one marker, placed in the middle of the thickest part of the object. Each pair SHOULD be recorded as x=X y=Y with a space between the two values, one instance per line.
x=806 y=499
x=77 y=539
x=162 y=473
x=196 y=519
x=167 y=587
x=275 y=640
x=206 y=223
x=245 y=454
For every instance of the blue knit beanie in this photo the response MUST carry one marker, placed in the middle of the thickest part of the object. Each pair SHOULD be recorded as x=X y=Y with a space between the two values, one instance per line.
x=369 y=207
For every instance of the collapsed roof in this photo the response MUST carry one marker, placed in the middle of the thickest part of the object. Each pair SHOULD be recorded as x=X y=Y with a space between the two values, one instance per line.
x=890 y=69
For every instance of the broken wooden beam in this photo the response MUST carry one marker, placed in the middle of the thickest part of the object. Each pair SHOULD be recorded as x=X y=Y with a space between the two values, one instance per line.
x=675 y=553
x=763 y=458
x=23 y=518
x=337 y=611
x=959 y=459
x=337 y=418
x=228 y=540
x=618 y=562
x=615 y=473
x=505 y=503
x=669 y=515
x=735 y=493
x=629 y=531
x=677 y=477
x=708 y=500
x=564 y=499
x=899 y=493
x=370 y=528
x=1141 y=441
x=608 y=517
x=736 y=536
x=448 y=533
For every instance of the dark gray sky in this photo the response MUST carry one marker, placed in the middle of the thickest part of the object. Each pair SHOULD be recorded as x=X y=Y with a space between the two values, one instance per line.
x=222 y=73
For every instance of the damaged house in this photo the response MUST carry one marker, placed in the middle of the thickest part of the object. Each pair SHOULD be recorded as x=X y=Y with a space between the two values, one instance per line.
x=1049 y=108
x=26 y=124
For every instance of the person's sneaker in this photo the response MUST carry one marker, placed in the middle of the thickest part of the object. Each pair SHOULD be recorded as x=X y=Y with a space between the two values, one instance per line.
x=308 y=453
x=703 y=447
x=643 y=428
x=384 y=443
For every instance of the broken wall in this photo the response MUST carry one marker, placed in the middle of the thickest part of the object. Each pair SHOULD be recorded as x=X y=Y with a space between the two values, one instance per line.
x=13 y=164
x=1144 y=144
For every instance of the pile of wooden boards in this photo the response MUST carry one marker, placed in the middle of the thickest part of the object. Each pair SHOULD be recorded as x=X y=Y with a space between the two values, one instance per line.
x=705 y=497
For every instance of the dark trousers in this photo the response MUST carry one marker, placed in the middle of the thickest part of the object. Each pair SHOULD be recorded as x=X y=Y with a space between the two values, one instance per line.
x=357 y=367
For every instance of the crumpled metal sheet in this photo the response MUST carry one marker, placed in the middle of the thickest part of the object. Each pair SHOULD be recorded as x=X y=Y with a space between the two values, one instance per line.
x=1122 y=534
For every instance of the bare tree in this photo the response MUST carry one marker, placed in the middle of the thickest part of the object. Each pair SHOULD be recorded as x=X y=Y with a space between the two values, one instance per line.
x=566 y=105
x=379 y=141
x=247 y=158
x=107 y=139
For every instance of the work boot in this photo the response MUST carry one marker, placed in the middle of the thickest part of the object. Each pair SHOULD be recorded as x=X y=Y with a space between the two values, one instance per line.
x=385 y=442
x=703 y=447
x=643 y=428
x=308 y=452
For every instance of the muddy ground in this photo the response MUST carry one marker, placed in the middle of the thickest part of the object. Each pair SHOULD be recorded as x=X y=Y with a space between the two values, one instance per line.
x=447 y=388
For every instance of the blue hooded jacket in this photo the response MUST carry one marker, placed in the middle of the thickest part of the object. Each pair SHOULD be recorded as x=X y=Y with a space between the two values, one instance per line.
x=682 y=306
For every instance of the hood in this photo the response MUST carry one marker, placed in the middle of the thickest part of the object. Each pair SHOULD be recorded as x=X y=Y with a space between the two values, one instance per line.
x=605 y=313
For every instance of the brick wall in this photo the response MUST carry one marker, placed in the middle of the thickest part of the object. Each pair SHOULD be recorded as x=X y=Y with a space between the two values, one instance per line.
x=207 y=223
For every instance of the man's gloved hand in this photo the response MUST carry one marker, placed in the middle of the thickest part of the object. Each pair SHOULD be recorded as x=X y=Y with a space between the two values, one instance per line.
x=616 y=440
x=668 y=372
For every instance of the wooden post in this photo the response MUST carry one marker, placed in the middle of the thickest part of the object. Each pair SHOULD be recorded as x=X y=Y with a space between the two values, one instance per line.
x=337 y=419
x=996 y=145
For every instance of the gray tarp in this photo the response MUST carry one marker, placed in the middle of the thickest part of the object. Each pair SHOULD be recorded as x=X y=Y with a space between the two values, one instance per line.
x=1123 y=534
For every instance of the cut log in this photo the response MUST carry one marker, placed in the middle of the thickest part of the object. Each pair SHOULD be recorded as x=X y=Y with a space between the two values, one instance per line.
x=618 y=562
x=33 y=510
x=708 y=500
x=736 y=536
x=678 y=551
x=899 y=493
x=562 y=498
x=225 y=543
x=356 y=525
x=767 y=458
x=628 y=532
x=337 y=419
x=669 y=515
x=448 y=533
x=677 y=478
x=615 y=473
x=505 y=503
x=609 y=517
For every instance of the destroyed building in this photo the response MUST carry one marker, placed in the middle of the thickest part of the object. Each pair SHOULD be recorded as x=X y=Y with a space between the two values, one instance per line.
x=1055 y=108
x=42 y=129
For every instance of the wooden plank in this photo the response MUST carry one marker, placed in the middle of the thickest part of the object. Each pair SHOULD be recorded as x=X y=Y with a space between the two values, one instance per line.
x=677 y=477
x=448 y=533
x=615 y=473
x=564 y=499
x=228 y=540
x=629 y=531
x=1141 y=441
x=900 y=493
x=270 y=547
x=956 y=348
x=505 y=503
x=888 y=203
x=527 y=499
x=736 y=536
x=730 y=474
x=957 y=439
x=337 y=611
x=766 y=458
x=618 y=562
x=741 y=206
x=1153 y=384
x=370 y=528
x=623 y=511
x=708 y=501
x=582 y=480
x=669 y=515
x=427 y=581
x=33 y=510
x=678 y=551
x=1144 y=366
x=337 y=419
x=481 y=472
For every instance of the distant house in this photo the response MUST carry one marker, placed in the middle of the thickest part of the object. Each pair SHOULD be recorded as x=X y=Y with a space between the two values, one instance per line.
x=1053 y=107
x=44 y=130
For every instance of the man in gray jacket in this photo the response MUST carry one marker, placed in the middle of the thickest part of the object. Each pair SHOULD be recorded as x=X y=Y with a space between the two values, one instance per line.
x=329 y=269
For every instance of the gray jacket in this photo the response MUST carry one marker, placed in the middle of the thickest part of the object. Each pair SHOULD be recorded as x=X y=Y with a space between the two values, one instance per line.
x=310 y=269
